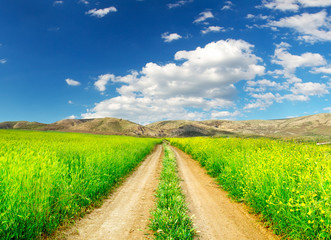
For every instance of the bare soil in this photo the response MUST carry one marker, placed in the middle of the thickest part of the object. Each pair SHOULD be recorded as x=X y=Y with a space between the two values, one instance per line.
x=126 y=214
x=215 y=216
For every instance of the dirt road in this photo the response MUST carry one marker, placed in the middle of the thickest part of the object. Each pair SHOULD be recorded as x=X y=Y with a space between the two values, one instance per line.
x=125 y=215
x=216 y=216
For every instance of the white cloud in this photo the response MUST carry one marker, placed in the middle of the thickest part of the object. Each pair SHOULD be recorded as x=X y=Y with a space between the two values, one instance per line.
x=294 y=5
x=179 y=3
x=294 y=97
x=201 y=83
x=203 y=16
x=224 y=114
x=71 y=117
x=310 y=27
x=291 y=62
x=147 y=109
x=102 y=81
x=263 y=85
x=309 y=89
x=100 y=13
x=299 y=92
x=84 y=2
x=212 y=29
x=70 y=102
x=3 y=61
x=57 y=3
x=227 y=6
x=296 y=89
x=262 y=101
x=72 y=82
x=169 y=37
x=260 y=16
x=315 y=3
x=328 y=109
x=283 y=5
x=326 y=70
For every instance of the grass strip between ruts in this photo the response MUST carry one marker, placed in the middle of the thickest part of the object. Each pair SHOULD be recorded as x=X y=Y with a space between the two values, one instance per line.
x=170 y=218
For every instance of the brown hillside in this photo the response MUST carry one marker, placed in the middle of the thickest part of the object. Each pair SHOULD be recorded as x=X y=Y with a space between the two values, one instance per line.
x=313 y=125
x=113 y=126
x=186 y=128
x=21 y=125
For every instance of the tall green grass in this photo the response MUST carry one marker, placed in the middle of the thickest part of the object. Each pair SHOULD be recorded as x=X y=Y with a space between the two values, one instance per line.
x=288 y=183
x=46 y=178
x=170 y=219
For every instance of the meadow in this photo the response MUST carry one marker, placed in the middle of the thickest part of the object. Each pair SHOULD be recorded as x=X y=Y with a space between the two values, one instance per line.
x=287 y=183
x=47 y=178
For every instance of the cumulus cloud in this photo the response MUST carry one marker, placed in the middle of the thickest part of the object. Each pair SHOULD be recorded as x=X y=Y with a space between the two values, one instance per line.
x=294 y=97
x=212 y=29
x=169 y=37
x=72 y=82
x=310 y=89
x=147 y=109
x=315 y=3
x=227 y=6
x=179 y=3
x=328 y=109
x=100 y=13
x=201 y=83
x=311 y=27
x=294 y=5
x=225 y=114
x=326 y=70
x=291 y=62
x=264 y=92
x=263 y=85
x=259 y=16
x=3 y=61
x=262 y=101
x=203 y=16
x=283 y=5
x=102 y=81
x=298 y=92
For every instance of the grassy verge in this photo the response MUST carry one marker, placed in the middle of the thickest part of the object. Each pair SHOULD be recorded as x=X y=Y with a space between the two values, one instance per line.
x=288 y=183
x=170 y=219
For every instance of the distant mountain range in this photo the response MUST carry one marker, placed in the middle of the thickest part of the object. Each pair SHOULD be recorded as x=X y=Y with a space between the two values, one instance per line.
x=312 y=125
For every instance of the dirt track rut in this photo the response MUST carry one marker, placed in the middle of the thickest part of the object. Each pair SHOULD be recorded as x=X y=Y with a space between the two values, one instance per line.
x=126 y=214
x=215 y=215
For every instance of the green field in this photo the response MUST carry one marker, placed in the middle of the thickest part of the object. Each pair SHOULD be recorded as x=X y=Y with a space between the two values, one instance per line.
x=48 y=178
x=288 y=183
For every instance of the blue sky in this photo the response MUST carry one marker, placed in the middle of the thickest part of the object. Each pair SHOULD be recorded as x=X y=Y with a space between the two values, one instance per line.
x=150 y=60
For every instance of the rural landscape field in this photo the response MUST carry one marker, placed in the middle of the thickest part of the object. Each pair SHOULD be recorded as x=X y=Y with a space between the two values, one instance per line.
x=175 y=119
x=50 y=179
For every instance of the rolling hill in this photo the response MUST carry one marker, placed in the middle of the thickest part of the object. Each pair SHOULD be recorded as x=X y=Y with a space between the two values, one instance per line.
x=312 y=125
x=111 y=126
